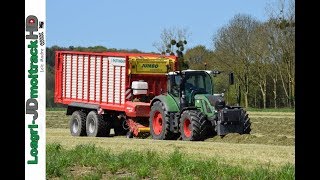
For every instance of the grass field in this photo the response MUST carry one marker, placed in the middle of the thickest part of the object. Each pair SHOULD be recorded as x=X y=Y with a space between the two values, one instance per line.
x=91 y=162
x=268 y=152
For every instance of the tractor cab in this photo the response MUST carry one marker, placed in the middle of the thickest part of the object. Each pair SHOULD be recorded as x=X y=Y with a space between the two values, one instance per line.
x=186 y=85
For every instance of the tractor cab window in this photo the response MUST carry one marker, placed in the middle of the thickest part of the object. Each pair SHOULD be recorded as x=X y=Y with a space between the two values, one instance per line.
x=194 y=82
x=175 y=81
x=197 y=82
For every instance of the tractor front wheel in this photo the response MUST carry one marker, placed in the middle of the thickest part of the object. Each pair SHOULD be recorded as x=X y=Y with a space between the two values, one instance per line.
x=159 y=122
x=193 y=126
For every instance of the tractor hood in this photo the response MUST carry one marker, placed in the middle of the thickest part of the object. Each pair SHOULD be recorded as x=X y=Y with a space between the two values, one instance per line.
x=216 y=100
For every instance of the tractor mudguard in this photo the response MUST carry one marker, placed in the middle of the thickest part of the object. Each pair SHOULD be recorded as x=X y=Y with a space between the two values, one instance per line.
x=168 y=101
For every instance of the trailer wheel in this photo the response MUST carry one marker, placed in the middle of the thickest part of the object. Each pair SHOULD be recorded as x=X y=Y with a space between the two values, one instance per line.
x=193 y=125
x=159 y=122
x=77 y=124
x=96 y=126
x=119 y=127
x=246 y=123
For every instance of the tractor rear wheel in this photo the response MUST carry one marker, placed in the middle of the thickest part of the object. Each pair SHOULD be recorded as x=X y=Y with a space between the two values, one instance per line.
x=193 y=125
x=77 y=124
x=96 y=126
x=159 y=122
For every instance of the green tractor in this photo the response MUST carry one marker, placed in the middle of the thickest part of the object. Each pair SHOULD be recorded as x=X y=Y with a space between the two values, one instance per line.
x=191 y=111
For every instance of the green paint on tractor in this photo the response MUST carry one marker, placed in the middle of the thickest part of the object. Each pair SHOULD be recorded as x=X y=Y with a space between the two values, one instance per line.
x=169 y=102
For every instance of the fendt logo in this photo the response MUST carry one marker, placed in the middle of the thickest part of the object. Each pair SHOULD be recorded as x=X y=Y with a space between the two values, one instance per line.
x=31 y=27
x=150 y=66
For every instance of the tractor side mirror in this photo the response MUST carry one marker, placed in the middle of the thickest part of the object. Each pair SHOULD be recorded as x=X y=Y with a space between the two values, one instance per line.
x=231 y=79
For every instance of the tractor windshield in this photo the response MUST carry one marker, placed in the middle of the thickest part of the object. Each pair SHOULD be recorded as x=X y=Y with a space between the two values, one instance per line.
x=194 y=81
x=198 y=81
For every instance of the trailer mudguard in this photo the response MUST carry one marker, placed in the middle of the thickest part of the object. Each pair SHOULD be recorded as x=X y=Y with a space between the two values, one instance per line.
x=76 y=105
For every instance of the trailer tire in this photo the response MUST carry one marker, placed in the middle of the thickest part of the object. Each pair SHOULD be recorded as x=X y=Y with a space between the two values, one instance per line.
x=77 y=124
x=119 y=127
x=159 y=122
x=246 y=123
x=193 y=125
x=96 y=126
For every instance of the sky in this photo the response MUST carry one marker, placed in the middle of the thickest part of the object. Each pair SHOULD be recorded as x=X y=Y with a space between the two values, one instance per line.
x=128 y=24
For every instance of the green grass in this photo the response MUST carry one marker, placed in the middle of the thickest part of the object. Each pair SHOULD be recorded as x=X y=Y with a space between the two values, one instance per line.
x=91 y=162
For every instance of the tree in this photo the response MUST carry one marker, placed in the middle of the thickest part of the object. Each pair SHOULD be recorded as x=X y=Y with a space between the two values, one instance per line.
x=168 y=34
x=282 y=45
x=274 y=58
x=197 y=57
x=233 y=48
x=261 y=65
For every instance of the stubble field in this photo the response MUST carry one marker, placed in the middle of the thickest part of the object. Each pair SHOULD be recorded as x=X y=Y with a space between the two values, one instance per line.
x=267 y=152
